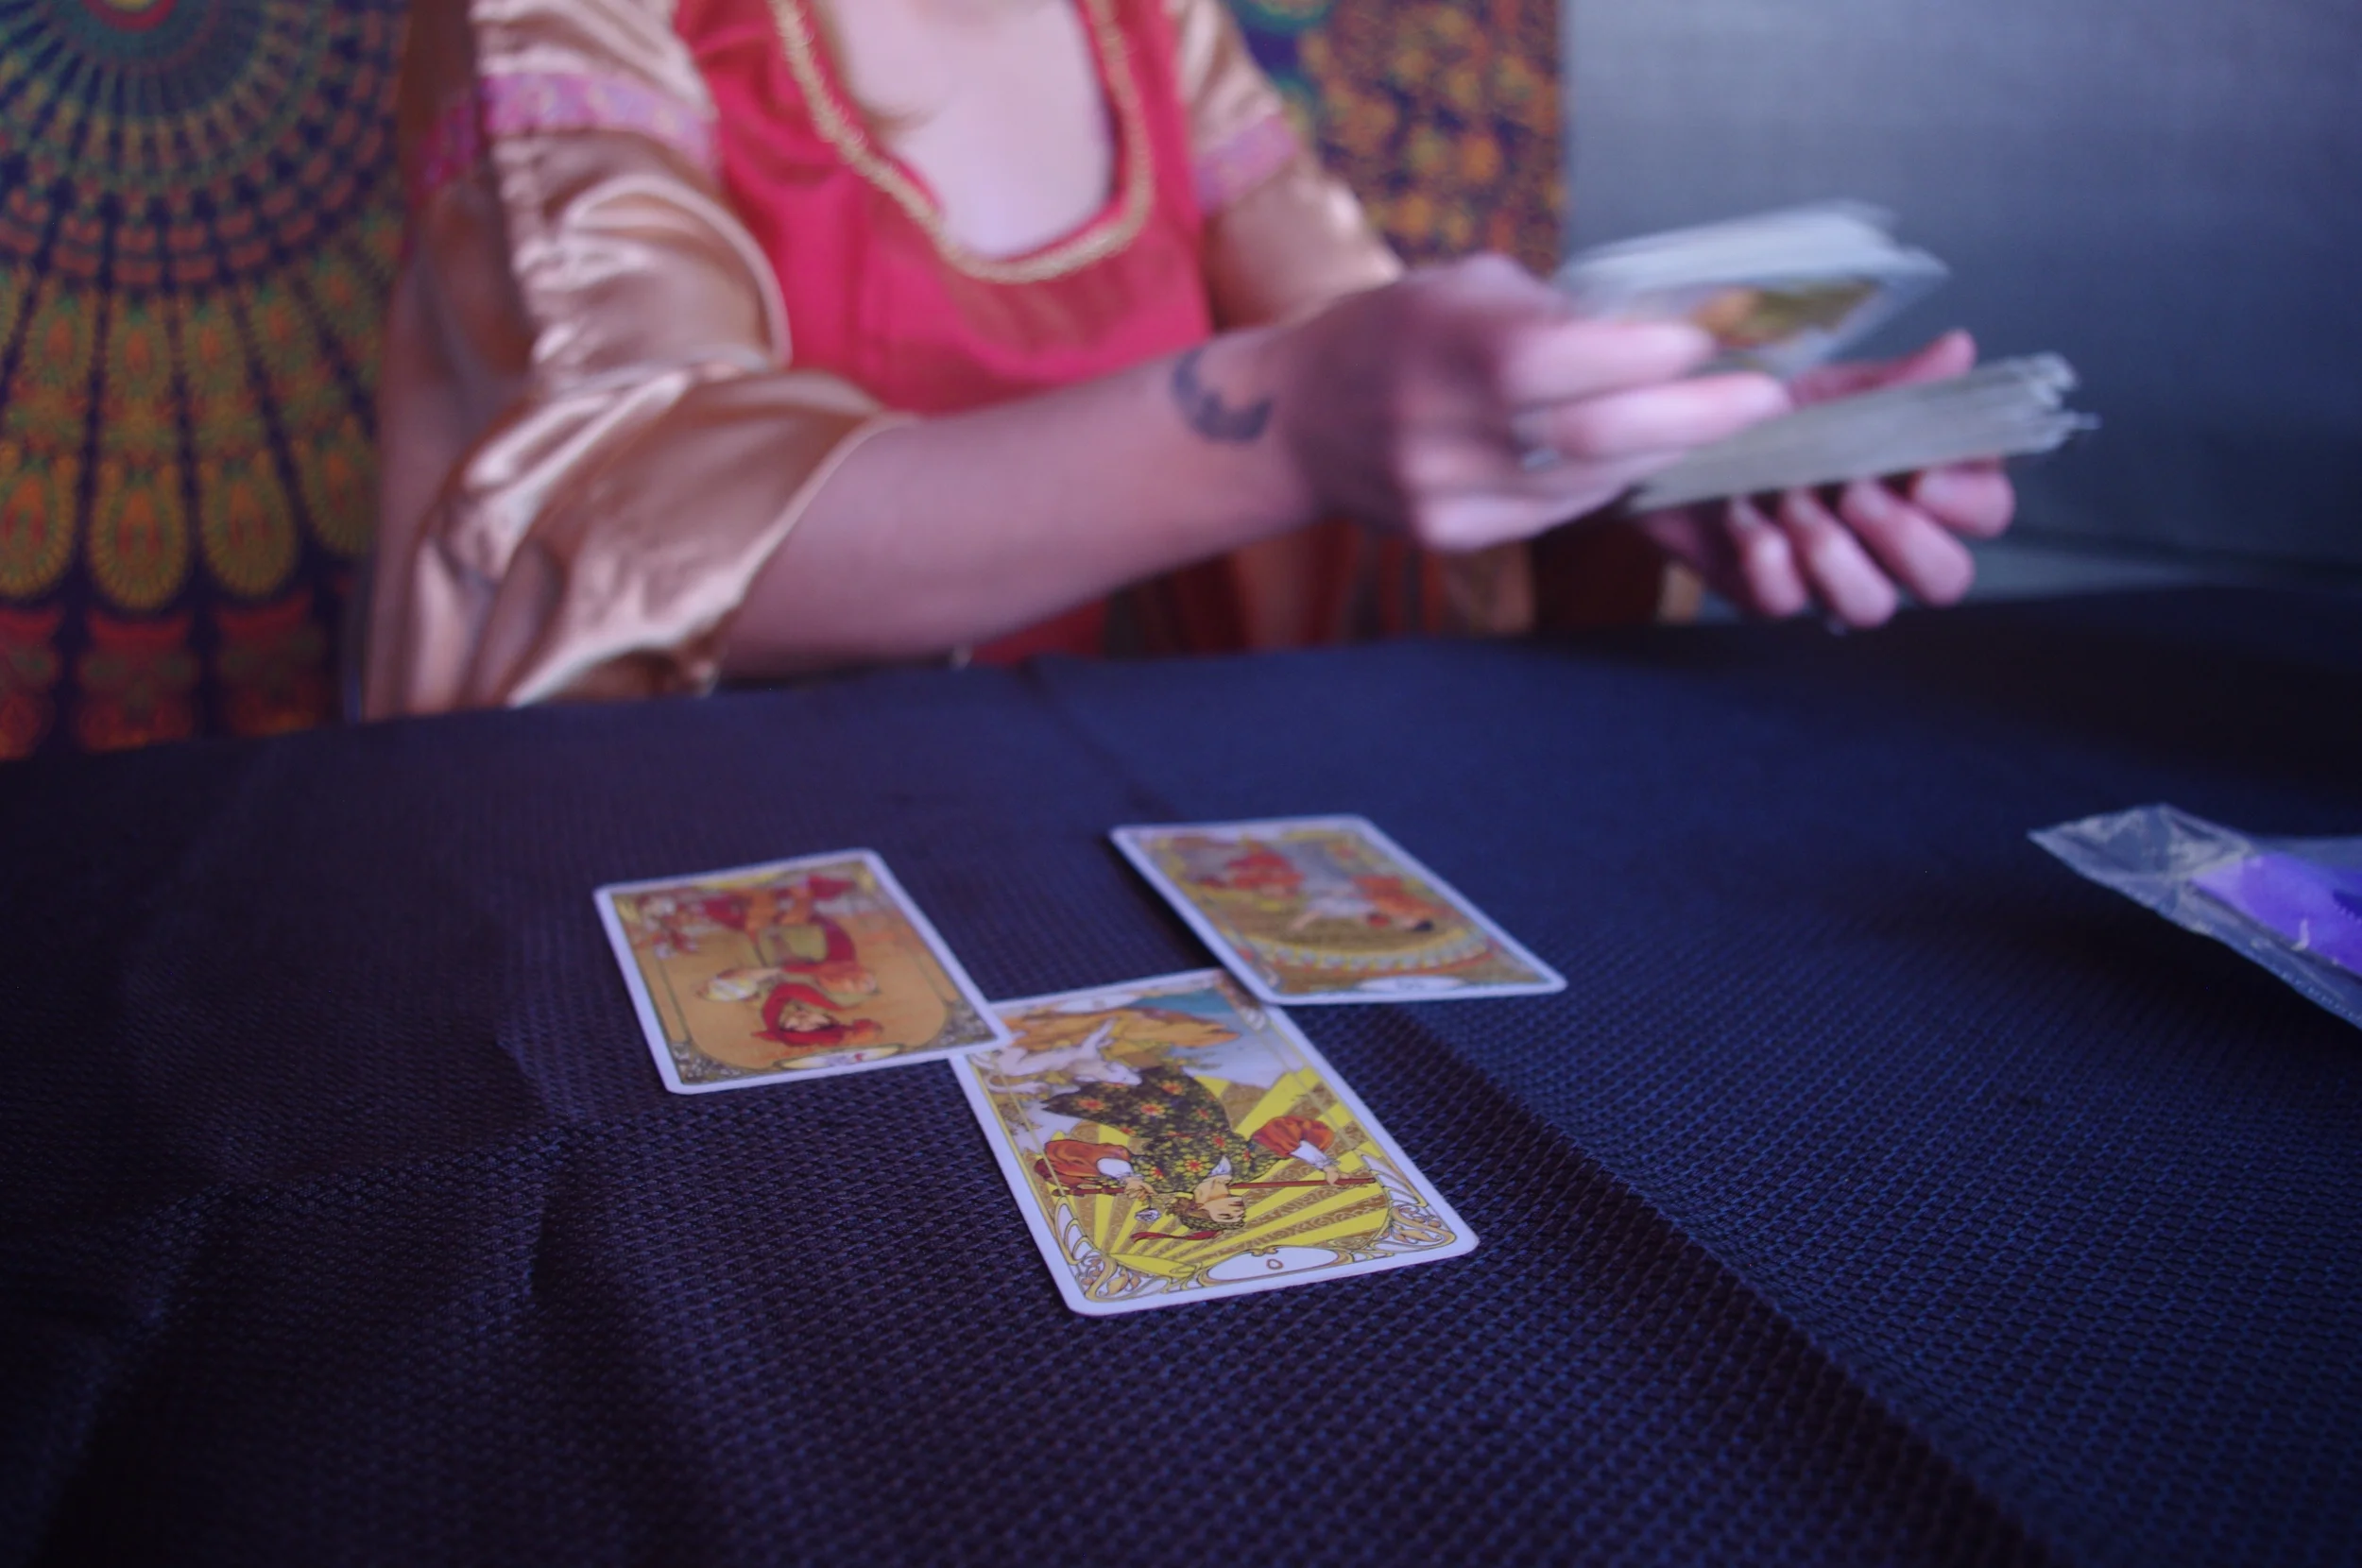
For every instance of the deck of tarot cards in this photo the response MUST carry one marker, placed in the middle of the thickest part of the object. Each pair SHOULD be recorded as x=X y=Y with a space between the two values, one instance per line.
x=1784 y=291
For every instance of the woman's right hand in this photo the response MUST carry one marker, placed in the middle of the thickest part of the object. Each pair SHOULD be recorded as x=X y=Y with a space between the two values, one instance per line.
x=1467 y=405
x=1413 y=406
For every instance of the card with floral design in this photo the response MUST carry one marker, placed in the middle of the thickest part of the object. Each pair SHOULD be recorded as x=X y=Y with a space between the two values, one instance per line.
x=796 y=970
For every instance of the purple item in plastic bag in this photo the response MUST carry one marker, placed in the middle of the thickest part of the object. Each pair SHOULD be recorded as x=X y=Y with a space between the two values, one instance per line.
x=2319 y=907
x=2293 y=905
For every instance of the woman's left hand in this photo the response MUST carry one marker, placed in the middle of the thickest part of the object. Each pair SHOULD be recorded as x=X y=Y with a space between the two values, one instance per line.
x=1854 y=557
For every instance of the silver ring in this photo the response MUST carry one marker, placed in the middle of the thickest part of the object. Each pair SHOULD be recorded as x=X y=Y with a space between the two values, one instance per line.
x=1534 y=454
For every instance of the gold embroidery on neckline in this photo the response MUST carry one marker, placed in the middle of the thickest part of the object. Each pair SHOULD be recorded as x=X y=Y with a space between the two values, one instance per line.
x=1107 y=232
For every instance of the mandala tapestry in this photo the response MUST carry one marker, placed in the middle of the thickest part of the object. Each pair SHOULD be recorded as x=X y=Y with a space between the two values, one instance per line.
x=1443 y=116
x=198 y=227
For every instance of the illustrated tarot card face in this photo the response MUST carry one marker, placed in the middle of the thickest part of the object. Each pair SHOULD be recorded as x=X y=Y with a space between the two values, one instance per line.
x=1777 y=291
x=1329 y=909
x=801 y=968
x=1171 y=1141
x=2313 y=905
x=1781 y=325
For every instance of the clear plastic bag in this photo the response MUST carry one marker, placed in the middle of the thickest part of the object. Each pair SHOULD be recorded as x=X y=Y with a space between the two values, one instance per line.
x=2293 y=905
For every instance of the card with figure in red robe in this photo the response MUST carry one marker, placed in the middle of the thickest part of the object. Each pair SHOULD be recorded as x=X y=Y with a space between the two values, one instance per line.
x=1329 y=909
x=794 y=969
x=1171 y=1140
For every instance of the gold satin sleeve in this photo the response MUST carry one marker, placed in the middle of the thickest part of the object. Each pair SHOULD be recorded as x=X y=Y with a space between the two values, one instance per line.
x=591 y=441
x=1283 y=236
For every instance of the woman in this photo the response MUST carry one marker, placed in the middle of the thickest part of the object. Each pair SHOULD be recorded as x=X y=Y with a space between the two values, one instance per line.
x=743 y=337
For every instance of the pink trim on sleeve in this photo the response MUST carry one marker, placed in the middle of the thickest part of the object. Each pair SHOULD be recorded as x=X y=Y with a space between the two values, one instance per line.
x=1245 y=158
x=533 y=103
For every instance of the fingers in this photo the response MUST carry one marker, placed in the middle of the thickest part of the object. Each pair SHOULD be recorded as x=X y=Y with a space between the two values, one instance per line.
x=1849 y=560
x=1975 y=498
x=1668 y=419
x=1474 y=370
x=1538 y=351
x=1542 y=362
x=1478 y=520
x=1686 y=535
x=1573 y=488
x=1952 y=354
x=1839 y=572
x=1857 y=559
x=1771 y=578
x=1480 y=463
x=1913 y=548
x=1737 y=551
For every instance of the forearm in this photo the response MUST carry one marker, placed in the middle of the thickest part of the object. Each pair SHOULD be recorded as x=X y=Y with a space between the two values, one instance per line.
x=1416 y=407
x=955 y=530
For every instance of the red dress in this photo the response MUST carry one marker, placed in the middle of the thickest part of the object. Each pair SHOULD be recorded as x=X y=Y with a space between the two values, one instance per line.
x=878 y=293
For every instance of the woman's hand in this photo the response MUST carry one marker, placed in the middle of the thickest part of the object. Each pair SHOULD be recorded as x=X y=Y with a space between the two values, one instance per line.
x=1466 y=405
x=1855 y=556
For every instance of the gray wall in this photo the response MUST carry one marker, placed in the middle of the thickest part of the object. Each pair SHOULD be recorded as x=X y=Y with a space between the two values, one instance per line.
x=2169 y=193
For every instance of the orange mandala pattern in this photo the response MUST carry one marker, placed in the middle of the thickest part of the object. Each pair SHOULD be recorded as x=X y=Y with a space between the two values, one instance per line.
x=273 y=662
x=199 y=218
x=1443 y=116
x=36 y=520
x=136 y=680
x=28 y=670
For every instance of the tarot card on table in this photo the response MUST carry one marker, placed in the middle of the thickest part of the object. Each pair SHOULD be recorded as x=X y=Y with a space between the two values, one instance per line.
x=1329 y=909
x=800 y=968
x=1170 y=1140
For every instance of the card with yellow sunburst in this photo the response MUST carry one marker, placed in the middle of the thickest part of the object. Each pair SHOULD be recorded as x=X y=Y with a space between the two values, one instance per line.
x=1173 y=1140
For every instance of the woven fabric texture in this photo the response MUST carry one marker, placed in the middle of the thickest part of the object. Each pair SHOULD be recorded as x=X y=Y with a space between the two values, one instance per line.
x=1877 y=1192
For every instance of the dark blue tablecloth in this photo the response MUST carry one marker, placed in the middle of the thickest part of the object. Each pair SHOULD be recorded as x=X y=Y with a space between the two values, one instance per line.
x=1877 y=1192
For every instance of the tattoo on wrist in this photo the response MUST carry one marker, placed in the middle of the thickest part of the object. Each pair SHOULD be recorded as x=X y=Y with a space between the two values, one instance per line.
x=1206 y=412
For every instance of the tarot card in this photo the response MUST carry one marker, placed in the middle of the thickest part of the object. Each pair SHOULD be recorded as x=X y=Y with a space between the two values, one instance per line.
x=801 y=968
x=1171 y=1141
x=2007 y=408
x=1778 y=291
x=1329 y=909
